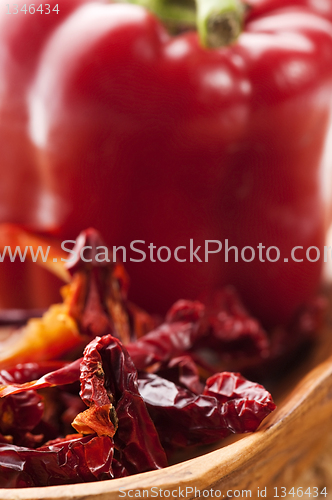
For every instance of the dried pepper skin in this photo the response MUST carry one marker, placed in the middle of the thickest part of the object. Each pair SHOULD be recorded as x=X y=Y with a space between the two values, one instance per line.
x=252 y=403
x=20 y=414
x=26 y=372
x=46 y=417
x=77 y=460
x=136 y=438
x=67 y=374
x=232 y=329
x=185 y=310
x=94 y=303
x=131 y=420
x=228 y=404
x=100 y=417
x=162 y=344
x=179 y=333
x=183 y=371
x=221 y=325
x=99 y=303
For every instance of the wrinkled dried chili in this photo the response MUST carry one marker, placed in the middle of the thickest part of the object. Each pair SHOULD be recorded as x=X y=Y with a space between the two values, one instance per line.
x=228 y=404
x=108 y=376
x=129 y=419
x=75 y=460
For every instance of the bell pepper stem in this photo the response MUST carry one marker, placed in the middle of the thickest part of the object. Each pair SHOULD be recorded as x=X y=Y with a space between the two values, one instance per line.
x=219 y=22
x=176 y=15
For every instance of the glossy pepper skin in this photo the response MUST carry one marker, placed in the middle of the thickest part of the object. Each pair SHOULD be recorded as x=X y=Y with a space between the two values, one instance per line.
x=22 y=40
x=155 y=138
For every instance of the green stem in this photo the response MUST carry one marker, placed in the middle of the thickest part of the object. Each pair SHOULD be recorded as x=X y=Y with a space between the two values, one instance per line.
x=219 y=22
x=178 y=15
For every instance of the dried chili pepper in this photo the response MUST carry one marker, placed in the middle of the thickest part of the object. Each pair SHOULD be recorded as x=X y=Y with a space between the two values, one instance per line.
x=136 y=441
x=20 y=414
x=67 y=374
x=233 y=330
x=228 y=404
x=109 y=375
x=183 y=371
x=117 y=411
x=26 y=418
x=222 y=330
x=27 y=372
x=98 y=305
x=66 y=461
x=182 y=328
x=94 y=303
x=128 y=419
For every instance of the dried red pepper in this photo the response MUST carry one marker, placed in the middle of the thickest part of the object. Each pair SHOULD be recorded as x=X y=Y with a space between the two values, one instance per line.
x=76 y=460
x=26 y=372
x=50 y=417
x=21 y=414
x=228 y=404
x=94 y=302
x=183 y=371
x=99 y=302
x=67 y=374
x=222 y=327
x=130 y=420
x=143 y=453
x=108 y=375
x=177 y=335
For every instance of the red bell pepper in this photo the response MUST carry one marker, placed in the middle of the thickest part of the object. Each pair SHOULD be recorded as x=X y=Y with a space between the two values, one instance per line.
x=112 y=122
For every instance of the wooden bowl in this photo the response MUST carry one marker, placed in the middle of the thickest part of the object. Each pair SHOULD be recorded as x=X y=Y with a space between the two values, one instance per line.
x=273 y=457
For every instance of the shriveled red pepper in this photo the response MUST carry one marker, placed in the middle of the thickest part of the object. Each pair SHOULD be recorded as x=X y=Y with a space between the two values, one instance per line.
x=109 y=121
x=65 y=461
x=94 y=303
x=108 y=376
x=222 y=329
x=119 y=402
x=27 y=377
x=145 y=393
x=228 y=404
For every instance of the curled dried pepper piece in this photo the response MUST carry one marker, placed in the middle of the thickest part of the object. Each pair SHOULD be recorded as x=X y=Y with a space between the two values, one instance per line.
x=184 y=372
x=20 y=414
x=60 y=405
x=99 y=419
x=248 y=403
x=94 y=303
x=229 y=404
x=98 y=304
x=234 y=332
x=186 y=310
x=179 y=333
x=108 y=375
x=219 y=335
x=26 y=372
x=46 y=338
x=67 y=374
x=64 y=461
